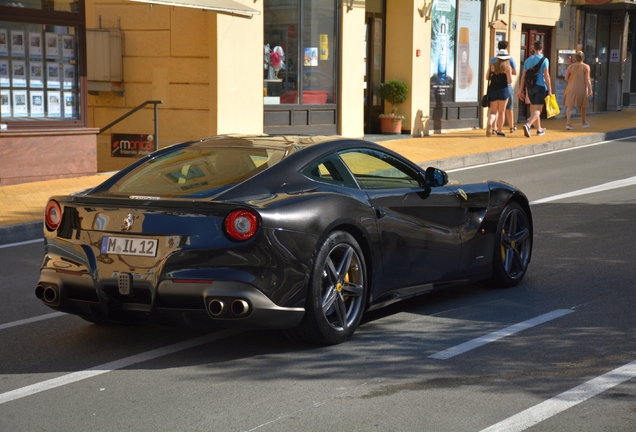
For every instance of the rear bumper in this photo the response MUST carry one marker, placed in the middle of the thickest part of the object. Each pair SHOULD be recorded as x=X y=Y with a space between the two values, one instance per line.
x=224 y=303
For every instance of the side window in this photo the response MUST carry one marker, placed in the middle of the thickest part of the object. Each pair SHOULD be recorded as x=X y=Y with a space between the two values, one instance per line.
x=330 y=170
x=377 y=170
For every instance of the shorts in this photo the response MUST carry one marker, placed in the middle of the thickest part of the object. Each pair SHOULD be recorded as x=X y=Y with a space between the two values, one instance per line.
x=511 y=104
x=501 y=94
x=537 y=94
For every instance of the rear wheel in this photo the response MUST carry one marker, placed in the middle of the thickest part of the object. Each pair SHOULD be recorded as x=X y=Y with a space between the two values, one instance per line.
x=513 y=247
x=337 y=292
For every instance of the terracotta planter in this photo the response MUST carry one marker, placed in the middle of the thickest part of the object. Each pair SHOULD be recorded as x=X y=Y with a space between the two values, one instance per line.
x=391 y=125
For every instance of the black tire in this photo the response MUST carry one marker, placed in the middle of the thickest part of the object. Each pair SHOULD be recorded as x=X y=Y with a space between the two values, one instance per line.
x=337 y=292
x=512 y=248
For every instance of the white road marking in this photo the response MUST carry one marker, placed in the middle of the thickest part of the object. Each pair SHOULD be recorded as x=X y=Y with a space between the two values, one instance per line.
x=594 y=189
x=114 y=365
x=544 y=410
x=492 y=337
x=21 y=243
x=30 y=320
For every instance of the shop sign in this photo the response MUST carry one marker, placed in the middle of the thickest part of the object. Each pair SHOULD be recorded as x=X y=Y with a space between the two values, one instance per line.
x=131 y=145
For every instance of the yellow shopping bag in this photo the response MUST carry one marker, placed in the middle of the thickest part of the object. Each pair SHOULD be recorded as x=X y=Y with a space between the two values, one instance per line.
x=551 y=106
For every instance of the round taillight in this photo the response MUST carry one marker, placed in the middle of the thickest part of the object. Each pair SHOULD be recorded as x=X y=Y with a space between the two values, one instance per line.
x=241 y=225
x=52 y=215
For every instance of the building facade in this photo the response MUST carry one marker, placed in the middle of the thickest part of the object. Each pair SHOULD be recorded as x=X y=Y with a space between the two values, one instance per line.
x=71 y=70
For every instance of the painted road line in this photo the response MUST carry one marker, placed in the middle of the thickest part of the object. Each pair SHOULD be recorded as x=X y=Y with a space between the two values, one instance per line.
x=492 y=337
x=114 y=365
x=594 y=189
x=545 y=410
x=31 y=320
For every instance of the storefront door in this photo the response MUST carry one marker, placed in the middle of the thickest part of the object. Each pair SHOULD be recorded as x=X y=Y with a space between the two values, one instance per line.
x=374 y=66
x=597 y=37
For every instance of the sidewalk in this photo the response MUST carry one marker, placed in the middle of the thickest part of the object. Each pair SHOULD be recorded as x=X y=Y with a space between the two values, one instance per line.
x=22 y=206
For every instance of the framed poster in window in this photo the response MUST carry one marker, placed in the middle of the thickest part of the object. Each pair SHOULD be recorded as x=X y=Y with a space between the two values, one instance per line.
x=52 y=46
x=18 y=73
x=17 y=43
x=4 y=42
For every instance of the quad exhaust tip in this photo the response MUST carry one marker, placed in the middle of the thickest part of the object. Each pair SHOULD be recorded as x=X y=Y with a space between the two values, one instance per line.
x=46 y=294
x=238 y=308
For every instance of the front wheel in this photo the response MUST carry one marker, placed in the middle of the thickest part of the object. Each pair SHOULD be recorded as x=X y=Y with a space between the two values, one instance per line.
x=337 y=292
x=512 y=248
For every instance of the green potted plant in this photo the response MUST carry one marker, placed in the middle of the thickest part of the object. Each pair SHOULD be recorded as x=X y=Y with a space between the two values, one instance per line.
x=394 y=92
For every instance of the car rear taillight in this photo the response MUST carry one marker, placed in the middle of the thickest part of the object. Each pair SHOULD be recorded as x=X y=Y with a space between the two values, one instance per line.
x=52 y=215
x=241 y=225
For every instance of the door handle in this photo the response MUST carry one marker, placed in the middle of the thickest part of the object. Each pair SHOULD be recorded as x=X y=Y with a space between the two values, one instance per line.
x=379 y=213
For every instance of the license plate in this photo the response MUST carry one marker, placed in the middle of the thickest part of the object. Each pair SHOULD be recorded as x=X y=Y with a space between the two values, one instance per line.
x=129 y=246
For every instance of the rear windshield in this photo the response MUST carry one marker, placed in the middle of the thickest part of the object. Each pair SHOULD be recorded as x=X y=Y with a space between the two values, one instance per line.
x=196 y=171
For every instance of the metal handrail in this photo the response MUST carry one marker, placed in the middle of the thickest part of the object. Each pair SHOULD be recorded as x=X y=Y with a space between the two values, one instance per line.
x=134 y=110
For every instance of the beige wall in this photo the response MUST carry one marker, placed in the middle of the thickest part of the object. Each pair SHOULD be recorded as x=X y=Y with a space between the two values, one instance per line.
x=351 y=108
x=206 y=67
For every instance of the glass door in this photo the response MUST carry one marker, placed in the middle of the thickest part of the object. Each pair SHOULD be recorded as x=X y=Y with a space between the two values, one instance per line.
x=597 y=35
x=374 y=36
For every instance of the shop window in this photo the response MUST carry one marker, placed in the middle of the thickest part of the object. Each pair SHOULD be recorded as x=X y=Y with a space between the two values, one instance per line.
x=40 y=64
x=38 y=72
x=51 y=5
x=299 y=52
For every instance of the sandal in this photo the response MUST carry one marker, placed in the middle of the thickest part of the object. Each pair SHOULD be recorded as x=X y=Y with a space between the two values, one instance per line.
x=513 y=129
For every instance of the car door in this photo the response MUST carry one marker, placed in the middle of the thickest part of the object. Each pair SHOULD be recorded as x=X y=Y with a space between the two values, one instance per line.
x=418 y=226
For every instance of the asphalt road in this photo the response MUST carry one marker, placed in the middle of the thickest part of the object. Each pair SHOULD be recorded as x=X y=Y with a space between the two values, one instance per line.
x=557 y=352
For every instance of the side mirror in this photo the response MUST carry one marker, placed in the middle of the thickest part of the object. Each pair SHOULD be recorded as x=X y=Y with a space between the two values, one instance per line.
x=435 y=177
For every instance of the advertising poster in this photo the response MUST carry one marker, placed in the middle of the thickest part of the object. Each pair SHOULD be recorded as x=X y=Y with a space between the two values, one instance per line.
x=52 y=48
x=131 y=145
x=18 y=73
x=69 y=76
x=443 y=30
x=52 y=75
x=468 y=43
x=4 y=73
x=69 y=104
x=17 y=43
x=53 y=104
x=324 y=47
x=37 y=103
x=35 y=44
x=311 y=57
x=68 y=50
x=4 y=42
x=20 y=103
x=5 y=103
x=36 y=74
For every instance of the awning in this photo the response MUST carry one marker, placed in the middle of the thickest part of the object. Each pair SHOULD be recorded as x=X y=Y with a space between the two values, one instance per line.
x=225 y=6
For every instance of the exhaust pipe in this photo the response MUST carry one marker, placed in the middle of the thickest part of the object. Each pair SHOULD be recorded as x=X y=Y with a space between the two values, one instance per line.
x=215 y=307
x=46 y=293
x=240 y=307
x=50 y=295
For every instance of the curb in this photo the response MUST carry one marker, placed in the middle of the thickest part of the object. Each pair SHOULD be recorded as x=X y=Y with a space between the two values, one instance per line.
x=21 y=232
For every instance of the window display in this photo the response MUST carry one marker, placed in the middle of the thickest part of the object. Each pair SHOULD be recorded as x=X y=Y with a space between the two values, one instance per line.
x=299 y=54
x=38 y=66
